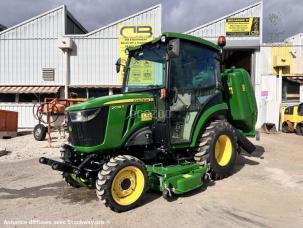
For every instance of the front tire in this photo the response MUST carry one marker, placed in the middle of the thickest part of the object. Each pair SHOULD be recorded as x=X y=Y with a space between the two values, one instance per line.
x=218 y=147
x=285 y=127
x=122 y=182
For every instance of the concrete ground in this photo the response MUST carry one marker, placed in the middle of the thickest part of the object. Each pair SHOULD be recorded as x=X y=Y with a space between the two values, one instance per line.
x=266 y=190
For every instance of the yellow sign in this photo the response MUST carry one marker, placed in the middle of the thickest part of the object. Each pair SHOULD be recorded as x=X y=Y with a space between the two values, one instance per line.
x=146 y=116
x=142 y=72
x=135 y=35
x=243 y=26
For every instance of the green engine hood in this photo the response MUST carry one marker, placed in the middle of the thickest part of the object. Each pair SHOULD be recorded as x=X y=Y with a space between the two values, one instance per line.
x=112 y=100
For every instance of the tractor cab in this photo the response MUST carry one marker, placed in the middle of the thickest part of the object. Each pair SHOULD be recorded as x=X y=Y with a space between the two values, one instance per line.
x=183 y=73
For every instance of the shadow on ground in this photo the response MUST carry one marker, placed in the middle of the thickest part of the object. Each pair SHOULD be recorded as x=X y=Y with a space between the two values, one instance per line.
x=244 y=158
x=5 y=152
x=23 y=133
x=59 y=190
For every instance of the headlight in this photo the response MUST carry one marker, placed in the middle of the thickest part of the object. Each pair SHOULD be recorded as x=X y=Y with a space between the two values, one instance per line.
x=83 y=116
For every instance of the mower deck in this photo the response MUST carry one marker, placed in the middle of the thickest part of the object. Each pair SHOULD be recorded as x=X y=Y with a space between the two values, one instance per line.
x=177 y=179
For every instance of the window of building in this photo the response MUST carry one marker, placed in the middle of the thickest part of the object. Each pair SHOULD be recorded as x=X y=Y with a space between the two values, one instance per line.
x=91 y=92
x=25 y=97
x=7 y=97
x=290 y=91
x=97 y=92
x=28 y=97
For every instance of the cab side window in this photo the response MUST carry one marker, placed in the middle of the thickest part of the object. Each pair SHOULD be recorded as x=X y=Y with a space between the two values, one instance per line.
x=197 y=67
x=300 y=109
x=289 y=110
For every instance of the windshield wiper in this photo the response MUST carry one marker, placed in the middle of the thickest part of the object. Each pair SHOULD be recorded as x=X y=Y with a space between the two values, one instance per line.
x=153 y=86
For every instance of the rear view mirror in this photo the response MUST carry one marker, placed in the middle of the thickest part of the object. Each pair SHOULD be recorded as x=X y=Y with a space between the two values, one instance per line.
x=174 y=48
x=118 y=65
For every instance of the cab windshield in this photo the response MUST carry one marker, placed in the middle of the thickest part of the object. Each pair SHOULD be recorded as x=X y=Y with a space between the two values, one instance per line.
x=146 y=68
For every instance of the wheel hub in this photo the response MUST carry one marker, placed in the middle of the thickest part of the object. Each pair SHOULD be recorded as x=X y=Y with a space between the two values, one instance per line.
x=223 y=150
x=38 y=132
x=127 y=185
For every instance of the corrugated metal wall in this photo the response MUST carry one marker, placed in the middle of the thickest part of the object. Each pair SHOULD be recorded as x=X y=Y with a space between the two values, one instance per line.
x=297 y=51
x=27 y=48
x=266 y=63
x=32 y=45
x=212 y=30
x=25 y=113
x=92 y=62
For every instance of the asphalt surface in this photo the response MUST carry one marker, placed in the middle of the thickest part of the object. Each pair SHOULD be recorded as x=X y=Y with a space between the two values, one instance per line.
x=266 y=190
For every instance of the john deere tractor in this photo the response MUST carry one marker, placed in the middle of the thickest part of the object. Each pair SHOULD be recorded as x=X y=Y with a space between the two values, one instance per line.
x=180 y=121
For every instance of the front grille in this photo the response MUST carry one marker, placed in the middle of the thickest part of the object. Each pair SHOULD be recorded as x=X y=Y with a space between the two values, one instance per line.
x=90 y=133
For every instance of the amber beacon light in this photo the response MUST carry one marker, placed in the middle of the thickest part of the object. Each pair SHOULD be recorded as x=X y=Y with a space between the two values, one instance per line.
x=221 y=41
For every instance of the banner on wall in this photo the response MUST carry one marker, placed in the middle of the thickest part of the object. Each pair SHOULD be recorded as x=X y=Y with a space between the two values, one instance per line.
x=243 y=26
x=130 y=36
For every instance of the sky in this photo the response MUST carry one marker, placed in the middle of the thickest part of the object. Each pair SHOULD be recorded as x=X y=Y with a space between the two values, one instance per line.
x=281 y=18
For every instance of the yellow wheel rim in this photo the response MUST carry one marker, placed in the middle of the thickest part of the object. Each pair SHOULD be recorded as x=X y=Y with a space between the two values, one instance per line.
x=128 y=185
x=223 y=150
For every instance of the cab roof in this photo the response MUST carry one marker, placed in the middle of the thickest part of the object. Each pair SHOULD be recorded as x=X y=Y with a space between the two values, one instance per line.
x=173 y=35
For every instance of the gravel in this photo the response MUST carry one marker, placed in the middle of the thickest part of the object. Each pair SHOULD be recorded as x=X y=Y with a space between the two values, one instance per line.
x=265 y=190
x=24 y=146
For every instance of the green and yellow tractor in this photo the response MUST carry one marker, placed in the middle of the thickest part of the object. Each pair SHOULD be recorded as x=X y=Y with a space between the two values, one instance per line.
x=180 y=121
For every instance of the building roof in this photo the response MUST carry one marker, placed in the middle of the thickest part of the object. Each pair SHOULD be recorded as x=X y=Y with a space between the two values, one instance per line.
x=224 y=17
x=158 y=6
x=173 y=35
x=62 y=7
x=2 y=27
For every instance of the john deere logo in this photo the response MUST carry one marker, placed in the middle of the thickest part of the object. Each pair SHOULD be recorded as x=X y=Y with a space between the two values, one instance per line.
x=136 y=31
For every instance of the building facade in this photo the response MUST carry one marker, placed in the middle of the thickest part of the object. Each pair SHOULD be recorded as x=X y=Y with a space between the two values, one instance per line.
x=281 y=77
x=32 y=66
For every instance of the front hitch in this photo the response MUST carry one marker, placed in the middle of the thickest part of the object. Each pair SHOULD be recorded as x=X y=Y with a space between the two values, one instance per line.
x=65 y=167
x=59 y=166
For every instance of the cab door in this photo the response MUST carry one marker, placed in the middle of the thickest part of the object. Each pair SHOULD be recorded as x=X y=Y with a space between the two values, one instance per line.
x=193 y=79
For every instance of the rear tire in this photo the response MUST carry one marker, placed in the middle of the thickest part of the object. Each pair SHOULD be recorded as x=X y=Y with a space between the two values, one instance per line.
x=218 y=147
x=122 y=183
x=40 y=132
x=299 y=129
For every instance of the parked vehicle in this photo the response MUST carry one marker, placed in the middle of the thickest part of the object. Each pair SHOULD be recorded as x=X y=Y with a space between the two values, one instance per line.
x=178 y=122
x=292 y=119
